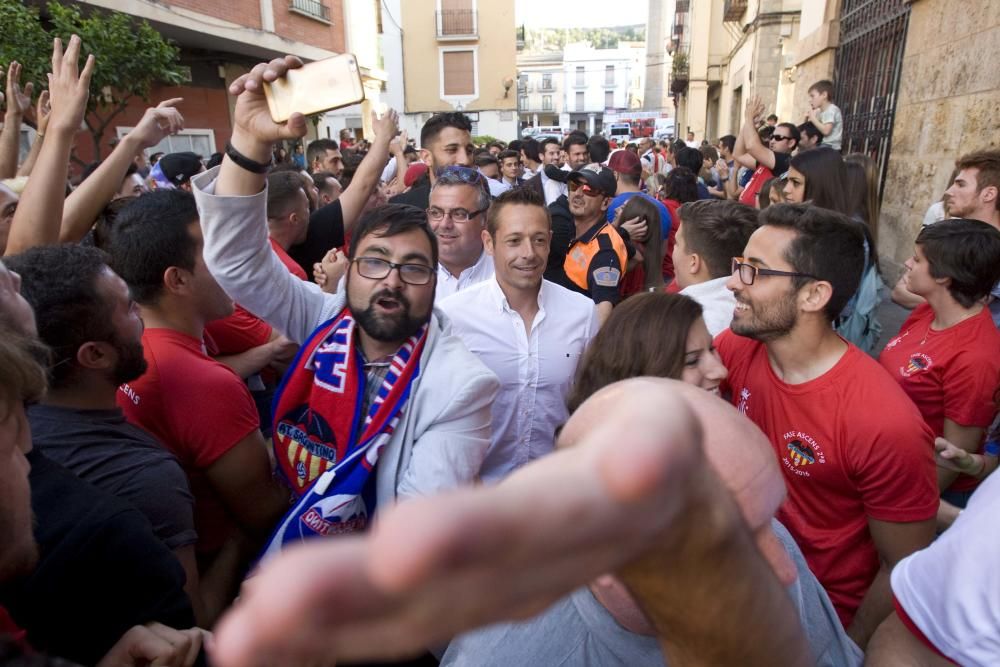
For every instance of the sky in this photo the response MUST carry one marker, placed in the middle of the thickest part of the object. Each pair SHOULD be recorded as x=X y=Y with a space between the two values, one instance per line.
x=580 y=13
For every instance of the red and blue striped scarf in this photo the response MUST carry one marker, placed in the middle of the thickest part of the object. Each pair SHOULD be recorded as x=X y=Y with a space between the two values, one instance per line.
x=325 y=448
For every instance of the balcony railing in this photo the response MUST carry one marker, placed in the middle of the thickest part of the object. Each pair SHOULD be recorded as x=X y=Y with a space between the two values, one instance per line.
x=733 y=9
x=547 y=87
x=311 y=8
x=457 y=23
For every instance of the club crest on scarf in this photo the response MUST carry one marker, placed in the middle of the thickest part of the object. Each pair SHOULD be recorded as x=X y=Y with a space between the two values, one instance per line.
x=325 y=448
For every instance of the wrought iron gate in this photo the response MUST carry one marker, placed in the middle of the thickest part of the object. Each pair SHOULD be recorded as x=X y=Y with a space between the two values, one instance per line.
x=867 y=72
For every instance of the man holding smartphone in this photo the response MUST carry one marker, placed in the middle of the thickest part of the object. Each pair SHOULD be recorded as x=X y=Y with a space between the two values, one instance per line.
x=381 y=403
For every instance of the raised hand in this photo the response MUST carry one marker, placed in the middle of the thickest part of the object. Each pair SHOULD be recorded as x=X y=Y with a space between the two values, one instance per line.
x=252 y=115
x=637 y=228
x=42 y=112
x=157 y=123
x=69 y=88
x=18 y=99
x=386 y=126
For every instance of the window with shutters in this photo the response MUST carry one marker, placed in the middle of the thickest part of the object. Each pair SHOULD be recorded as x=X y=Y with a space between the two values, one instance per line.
x=609 y=99
x=459 y=69
x=457 y=19
x=579 y=100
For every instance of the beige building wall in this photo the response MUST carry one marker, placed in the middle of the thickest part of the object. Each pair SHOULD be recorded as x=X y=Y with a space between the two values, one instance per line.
x=949 y=104
x=815 y=53
x=494 y=47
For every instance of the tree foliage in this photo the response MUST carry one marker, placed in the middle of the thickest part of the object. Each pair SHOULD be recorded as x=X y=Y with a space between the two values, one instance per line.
x=548 y=39
x=131 y=56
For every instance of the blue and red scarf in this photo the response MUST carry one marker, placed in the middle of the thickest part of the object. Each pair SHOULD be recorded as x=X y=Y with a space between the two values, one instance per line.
x=324 y=446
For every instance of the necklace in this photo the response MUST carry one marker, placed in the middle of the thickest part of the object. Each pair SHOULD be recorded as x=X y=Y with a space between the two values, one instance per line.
x=956 y=323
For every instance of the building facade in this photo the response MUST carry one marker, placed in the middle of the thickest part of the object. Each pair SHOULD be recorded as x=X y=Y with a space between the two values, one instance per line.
x=601 y=80
x=541 y=97
x=458 y=55
x=724 y=52
x=219 y=40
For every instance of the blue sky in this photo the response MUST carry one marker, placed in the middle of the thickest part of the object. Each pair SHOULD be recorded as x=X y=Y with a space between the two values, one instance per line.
x=580 y=13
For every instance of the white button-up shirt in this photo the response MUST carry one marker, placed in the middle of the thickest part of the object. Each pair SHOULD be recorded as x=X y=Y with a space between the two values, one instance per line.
x=717 y=303
x=448 y=284
x=553 y=189
x=536 y=369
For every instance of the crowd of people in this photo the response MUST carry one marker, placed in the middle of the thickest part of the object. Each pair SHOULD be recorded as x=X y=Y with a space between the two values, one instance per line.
x=535 y=402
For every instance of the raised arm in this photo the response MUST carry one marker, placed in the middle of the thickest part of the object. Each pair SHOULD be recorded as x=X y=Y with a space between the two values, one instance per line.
x=42 y=116
x=86 y=202
x=39 y=213
x=18 y=103
x=751 y=140
x=369 y=172
x=232 y=203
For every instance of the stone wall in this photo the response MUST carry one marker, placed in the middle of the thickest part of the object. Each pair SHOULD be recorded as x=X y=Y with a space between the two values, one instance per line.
x=949 y=104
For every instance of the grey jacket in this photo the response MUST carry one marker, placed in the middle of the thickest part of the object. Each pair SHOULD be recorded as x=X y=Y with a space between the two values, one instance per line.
x=444 y=433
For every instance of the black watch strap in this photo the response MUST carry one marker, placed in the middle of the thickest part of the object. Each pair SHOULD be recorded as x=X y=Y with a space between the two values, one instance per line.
x=244 y=162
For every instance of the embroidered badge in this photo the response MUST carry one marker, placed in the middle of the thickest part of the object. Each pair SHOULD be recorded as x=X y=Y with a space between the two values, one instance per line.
x=801 y=451
x=917 y=363
x=607 y=276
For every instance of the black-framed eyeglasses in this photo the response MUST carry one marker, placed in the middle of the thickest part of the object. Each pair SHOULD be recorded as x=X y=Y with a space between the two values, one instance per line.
x=377 y=269
x=779 y=137
x=457 y=214
x=748 y=272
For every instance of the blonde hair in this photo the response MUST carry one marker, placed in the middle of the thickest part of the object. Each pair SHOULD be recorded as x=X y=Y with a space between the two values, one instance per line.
x=22 y=369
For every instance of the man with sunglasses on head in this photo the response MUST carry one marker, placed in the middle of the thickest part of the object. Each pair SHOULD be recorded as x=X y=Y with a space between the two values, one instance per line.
x=380 y=404
x=457 y=215
x=767 y=161
x=596 y=259
x=857 y=457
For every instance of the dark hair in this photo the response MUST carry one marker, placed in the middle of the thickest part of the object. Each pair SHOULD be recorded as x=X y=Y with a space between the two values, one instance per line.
x=811 y=131
x=438 y=122
x=599 y=149
x=764 y=194
x=321 y=179
x=546 y=142
x=652 y=247
x=967 y=252
x=793 y=131
x=317 y=150
x=390 y=220
x=506 y=155
x=644 y=335
x=709 y=152
x=531 y=148
x=680 y=184
x=523 y=196
x=482 y=150
x=575 y=138
x=106 y=220
x=498 y=144
x=717 y=230
x=690 y=158
x=765 y=132
x=827 y=245
x=215 y=159
x=151 y=234
x=826 y=179
x=729 y=141
x=60 y=283
x=485 y=159
x=773 y=117
x=282 y=187
x=22 y=368
x=515 y=146
x=823 y=86
x=862 y=189
x=988 y=164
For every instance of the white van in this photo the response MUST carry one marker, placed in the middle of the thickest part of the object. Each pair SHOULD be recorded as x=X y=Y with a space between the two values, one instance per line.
x=620 y=133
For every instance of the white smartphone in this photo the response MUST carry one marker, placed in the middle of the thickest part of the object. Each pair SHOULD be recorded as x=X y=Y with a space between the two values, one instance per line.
x=318 y=86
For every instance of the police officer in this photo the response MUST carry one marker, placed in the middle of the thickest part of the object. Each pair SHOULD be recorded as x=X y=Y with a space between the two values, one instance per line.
x=597 y=257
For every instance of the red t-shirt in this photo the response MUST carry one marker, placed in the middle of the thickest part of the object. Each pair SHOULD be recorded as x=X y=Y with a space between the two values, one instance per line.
x=949 y=374
x=237 y=333
x=199 y=409
x=851 y=446
x=290 y=264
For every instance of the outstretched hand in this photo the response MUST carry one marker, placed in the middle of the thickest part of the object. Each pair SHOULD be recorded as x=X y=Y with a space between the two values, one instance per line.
x=18 y=99
x=252 y=114
x=69 y=88
x=158 y=123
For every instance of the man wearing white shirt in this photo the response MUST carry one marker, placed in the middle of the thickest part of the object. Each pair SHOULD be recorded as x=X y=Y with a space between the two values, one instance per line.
x=528 y=331
x=549 y=188
x=711 y=233
x=459 y=201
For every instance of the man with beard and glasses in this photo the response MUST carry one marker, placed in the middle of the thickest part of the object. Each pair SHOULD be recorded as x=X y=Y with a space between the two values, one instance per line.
x=381 y=403
x=197 y=407
x=862 y=487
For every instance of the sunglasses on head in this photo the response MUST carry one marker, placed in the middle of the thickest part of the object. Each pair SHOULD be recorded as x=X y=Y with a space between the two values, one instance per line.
x=587 y=189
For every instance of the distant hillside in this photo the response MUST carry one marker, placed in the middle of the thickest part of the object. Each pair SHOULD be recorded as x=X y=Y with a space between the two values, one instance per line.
x=550 y=39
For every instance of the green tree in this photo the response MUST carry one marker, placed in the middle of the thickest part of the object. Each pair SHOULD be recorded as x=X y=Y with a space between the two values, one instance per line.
x=131 y=56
